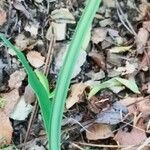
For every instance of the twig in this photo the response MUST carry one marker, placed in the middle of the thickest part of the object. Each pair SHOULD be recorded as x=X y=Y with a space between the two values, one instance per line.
x=46 y=70
x=124 y=19
x=101 y=145
x=77 y=146
x=107 y=146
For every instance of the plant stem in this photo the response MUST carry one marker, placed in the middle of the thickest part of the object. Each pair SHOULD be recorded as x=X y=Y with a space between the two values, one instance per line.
x=66 y=73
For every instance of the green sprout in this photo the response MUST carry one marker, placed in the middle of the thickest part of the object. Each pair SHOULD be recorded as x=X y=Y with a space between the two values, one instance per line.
x=52 y=110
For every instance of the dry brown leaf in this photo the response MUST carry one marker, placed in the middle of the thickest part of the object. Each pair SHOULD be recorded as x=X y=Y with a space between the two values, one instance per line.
x=3 y=17
x=16 y=79
x=135 y=137
x=75 y=92
x=141 y=40
x=5 y=130
x=99 y=59
x=99 y=35
x=99 y=131
x=35 y=59
x=141 y=104
x=144 y=106
x=11 y=100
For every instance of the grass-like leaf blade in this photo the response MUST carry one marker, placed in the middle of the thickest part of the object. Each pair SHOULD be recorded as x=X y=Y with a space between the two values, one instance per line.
x=67 y=70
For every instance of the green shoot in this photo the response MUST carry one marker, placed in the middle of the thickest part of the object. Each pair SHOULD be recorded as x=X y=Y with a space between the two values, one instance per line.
x=38 y=87
x=67 y=70
x=52 y=111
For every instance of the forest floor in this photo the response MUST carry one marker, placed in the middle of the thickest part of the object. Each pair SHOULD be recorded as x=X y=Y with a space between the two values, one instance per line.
x=108 y=102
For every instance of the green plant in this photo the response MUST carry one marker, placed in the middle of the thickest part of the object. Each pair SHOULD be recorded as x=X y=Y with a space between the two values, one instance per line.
x=35 y=82
x=67 y=70
x=116 y=81
x=52 y=111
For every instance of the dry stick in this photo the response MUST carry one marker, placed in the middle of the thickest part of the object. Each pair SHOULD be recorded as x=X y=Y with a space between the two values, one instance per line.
x=107 y=146
x=101 y=145
x=77 y=146
x=123 y=18
x=46 y=70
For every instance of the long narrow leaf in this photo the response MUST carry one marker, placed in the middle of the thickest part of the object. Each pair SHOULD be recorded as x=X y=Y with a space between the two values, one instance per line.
x=39 y=89
x=66 y=73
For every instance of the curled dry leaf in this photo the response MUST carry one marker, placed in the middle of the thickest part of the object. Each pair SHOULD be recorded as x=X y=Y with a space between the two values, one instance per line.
x=11 y=100
x=5 y=130
x=3 y=17
x=35 y=59
x=16 y=79
x=141 y=40
x=99 y=35
x=76 y=91
x=135 y=137
x=99 y=131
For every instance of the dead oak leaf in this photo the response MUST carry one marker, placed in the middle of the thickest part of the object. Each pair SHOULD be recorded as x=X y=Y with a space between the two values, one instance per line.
x=5 y=130
x=35 y=59
x=76 y=91
x=16 y=78
x=3 y=17
x=99 y=131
